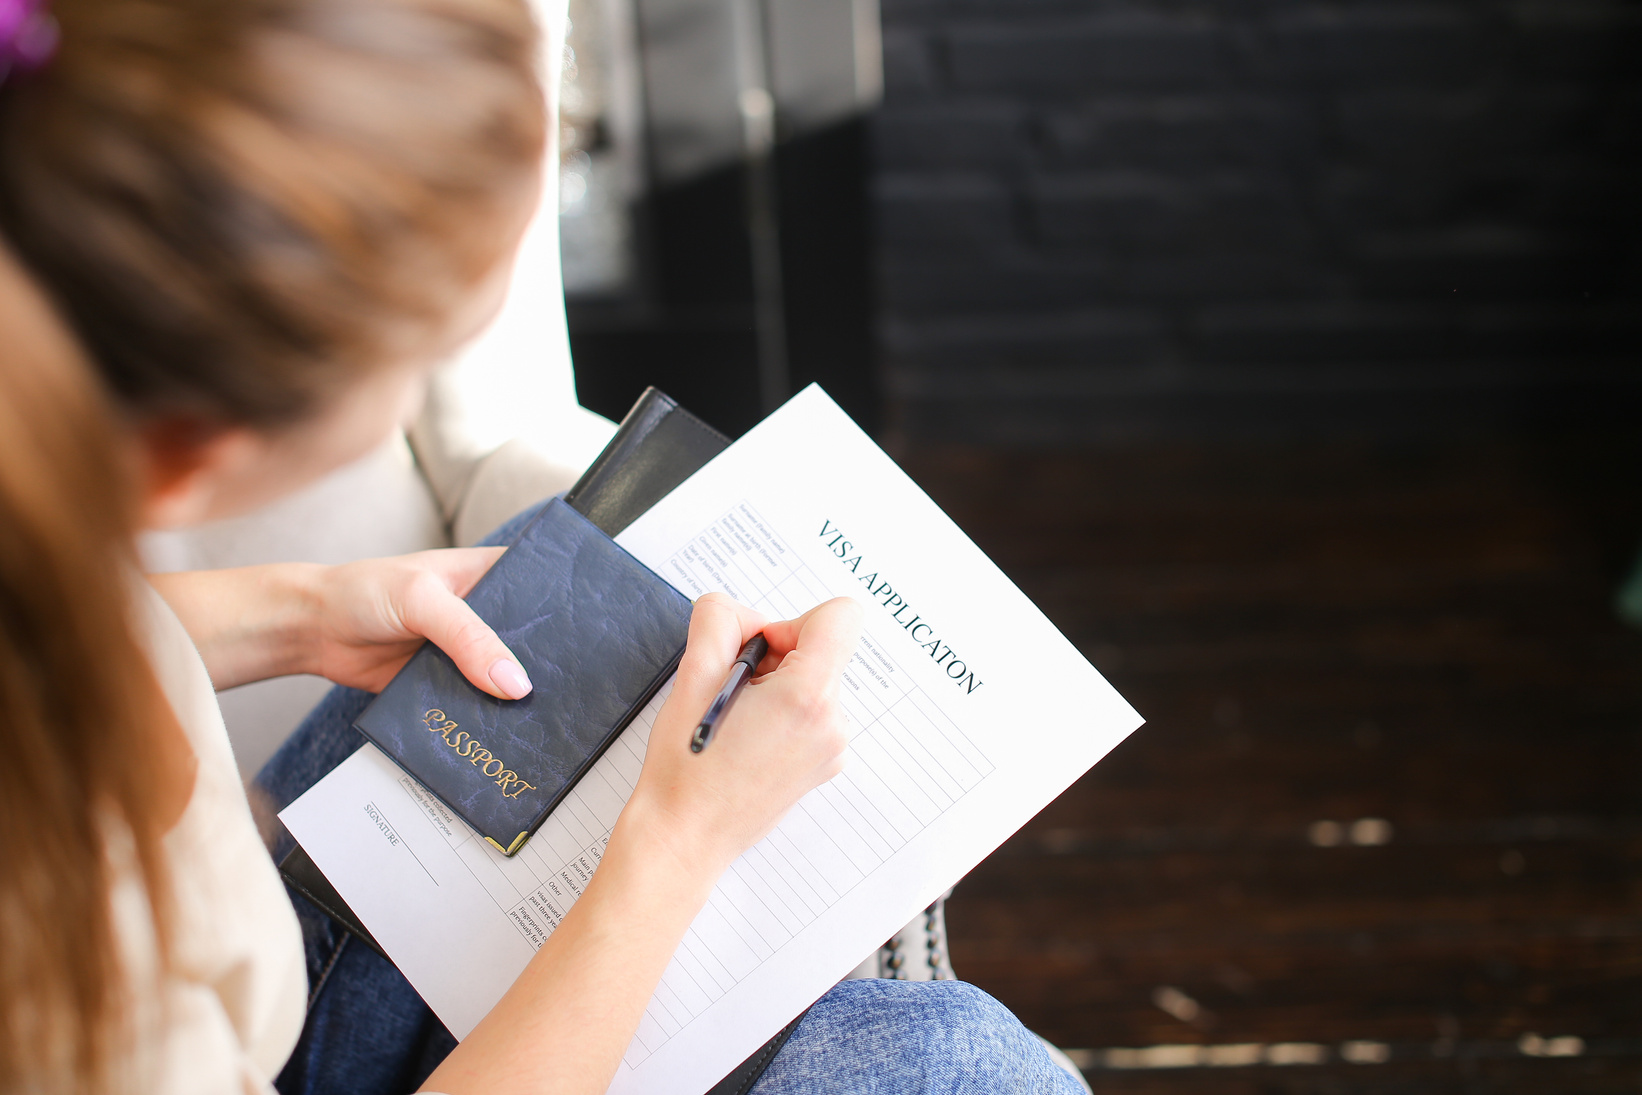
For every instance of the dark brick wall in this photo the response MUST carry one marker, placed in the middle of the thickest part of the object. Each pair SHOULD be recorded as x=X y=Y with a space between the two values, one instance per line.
x=1103 y=217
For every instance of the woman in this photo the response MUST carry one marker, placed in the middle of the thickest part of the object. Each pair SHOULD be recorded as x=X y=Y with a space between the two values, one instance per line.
x=267 y=220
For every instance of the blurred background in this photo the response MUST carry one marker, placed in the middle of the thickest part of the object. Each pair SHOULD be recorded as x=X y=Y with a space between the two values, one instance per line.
x=1285 y=353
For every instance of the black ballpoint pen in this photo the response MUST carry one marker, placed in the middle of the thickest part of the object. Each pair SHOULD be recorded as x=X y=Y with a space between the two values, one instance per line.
x=741 y=671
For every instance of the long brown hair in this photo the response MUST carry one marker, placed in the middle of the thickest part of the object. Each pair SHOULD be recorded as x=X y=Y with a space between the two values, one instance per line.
x=84 y=720
x=238 y=206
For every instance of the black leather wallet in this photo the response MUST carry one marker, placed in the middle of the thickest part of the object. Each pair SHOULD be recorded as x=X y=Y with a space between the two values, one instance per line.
x=657 y=446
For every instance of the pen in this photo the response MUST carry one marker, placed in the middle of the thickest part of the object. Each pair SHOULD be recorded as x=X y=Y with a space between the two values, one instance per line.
x=741 y=671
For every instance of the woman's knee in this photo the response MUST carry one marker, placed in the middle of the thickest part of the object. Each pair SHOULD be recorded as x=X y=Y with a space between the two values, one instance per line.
x=911 y=1037
x=943 y=1018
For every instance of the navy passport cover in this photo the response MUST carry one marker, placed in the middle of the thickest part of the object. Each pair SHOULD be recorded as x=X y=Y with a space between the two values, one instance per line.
x=597 y=631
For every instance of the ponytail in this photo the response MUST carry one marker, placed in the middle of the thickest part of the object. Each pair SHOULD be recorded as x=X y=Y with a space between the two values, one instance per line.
x=85 y=723
x=241 y=207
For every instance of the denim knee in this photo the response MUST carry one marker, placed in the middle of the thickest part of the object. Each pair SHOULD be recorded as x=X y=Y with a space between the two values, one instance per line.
x=912 y=1038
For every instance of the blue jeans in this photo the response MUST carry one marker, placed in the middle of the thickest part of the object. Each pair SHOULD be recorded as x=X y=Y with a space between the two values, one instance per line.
x=369 y=1033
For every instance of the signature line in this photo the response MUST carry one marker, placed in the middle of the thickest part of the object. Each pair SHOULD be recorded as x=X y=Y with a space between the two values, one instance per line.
x=406 y=844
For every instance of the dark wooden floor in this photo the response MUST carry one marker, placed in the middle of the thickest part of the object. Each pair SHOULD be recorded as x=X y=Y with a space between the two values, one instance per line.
x=1327 y=633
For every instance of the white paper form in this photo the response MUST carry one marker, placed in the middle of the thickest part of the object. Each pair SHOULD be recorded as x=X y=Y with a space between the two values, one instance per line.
x=968 y=713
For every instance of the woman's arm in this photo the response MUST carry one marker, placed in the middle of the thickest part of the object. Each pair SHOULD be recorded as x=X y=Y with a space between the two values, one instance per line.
x=566 y=1021
x=355 y=624
x=569 y=1017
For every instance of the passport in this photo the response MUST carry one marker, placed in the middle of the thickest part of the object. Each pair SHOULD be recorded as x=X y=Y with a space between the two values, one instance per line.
x=597 y=631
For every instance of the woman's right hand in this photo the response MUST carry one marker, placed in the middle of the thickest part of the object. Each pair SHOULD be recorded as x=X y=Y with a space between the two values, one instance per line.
x=784 y=736
x=573 y=1011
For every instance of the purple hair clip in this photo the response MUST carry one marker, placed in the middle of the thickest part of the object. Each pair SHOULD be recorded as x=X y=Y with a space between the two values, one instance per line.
x=28 y=36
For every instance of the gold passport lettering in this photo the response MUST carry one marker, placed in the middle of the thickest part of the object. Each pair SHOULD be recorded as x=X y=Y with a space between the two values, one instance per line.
x=466 y=745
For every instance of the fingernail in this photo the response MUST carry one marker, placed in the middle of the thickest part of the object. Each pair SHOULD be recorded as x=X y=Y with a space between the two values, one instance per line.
x=510 y=679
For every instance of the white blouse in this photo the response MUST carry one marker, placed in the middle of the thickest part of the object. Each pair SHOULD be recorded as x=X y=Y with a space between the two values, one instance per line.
x=228 y=1013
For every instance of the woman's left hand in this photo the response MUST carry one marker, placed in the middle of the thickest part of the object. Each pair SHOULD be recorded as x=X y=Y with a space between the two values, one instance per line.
x=375 y=613
x=355 y=624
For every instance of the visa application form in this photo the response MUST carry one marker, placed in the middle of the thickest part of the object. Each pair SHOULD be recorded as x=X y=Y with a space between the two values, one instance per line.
x=967 y=711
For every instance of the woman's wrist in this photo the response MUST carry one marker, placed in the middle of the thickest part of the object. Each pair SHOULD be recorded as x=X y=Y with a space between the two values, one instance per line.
x=649 y=823
x=249 y=623
x=295 y=605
